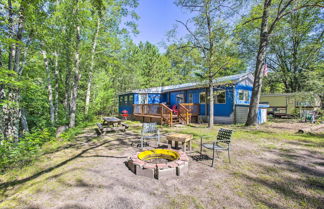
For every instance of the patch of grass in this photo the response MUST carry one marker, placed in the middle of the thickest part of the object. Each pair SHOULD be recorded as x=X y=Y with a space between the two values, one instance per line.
x=258 y=136
x=271 y=146
x=184 y=201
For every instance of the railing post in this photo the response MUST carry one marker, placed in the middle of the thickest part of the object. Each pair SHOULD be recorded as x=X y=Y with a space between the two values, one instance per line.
x=161 y=114
x=187 y=117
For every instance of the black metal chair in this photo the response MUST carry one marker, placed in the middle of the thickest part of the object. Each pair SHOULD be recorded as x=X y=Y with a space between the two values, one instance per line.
x=152 y=130
x=222 y=142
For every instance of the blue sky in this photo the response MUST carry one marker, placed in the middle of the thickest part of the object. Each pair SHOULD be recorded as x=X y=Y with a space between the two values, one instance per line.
x=157 y=17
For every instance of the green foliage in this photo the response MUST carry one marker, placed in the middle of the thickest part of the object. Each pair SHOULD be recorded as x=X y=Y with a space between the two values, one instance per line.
x=295 y=45
x=71 y=133
x=23 y=152
x=210 y=35
x=184 y=61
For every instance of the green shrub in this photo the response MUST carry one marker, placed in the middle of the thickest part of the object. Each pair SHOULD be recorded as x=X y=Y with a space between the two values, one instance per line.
x=30 y=147
x=17 y=154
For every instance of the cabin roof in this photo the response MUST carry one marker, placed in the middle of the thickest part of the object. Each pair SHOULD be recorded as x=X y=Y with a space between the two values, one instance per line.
x=219 y=81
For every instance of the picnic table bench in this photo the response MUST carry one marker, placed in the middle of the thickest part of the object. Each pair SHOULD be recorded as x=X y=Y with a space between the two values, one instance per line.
x=110 y=124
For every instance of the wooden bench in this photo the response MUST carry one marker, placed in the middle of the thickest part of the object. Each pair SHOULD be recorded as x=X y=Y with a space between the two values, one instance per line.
x=100 y=128
x=125 y=125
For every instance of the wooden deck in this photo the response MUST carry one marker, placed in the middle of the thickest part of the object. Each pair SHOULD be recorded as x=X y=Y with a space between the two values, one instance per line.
x=162 y=114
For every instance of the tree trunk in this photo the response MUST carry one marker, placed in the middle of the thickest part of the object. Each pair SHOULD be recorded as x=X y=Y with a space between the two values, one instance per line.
x=209 y=61
x=11 y=116
x=49 y=88
x=11 y=36
x=2 y=97
x=75 y=86
x=67 y=82
x=23 y=117
x=11 y=110
x=24 y=123
x=211 y=104
x=93 y=51
x=66 y=101
x=56 y=87
x=258 y=74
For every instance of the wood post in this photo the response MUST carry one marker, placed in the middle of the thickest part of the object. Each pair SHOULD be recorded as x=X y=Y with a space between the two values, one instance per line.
x=161 y=114
x=187 y=117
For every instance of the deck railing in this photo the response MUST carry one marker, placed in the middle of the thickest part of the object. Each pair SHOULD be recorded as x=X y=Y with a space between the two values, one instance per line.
x=192 y=108
x=166 y=114
x=147 y=109
x=185 y=112
x=161 y=110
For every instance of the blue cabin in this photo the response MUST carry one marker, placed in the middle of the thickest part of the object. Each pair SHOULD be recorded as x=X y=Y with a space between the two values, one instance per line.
x=189 y=102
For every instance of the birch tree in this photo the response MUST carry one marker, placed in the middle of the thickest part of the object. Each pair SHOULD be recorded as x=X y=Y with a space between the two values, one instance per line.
x=92 y=63
x=76 y=67
x=49 y=87
x=15 y=34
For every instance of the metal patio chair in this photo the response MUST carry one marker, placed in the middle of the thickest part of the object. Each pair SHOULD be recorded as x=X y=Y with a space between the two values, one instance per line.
x=222 y=142
x=149 y=131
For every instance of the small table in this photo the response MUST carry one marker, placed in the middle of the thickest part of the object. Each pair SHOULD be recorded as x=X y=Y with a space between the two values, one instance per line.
x=183 y=138
x=111 y=124
x=111 y=121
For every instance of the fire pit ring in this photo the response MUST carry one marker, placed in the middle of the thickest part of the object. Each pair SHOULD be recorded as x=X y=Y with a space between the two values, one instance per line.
x=159 y=163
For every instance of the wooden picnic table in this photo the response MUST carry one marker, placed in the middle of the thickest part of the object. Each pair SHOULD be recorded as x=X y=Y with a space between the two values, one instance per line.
x=111 y=124
x=185 y=139
x=111 y=121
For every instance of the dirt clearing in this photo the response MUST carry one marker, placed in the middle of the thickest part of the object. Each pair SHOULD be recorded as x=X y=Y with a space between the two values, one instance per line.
x=266 y=171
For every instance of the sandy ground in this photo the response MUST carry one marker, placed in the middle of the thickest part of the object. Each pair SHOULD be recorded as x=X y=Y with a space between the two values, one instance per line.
x=291 y=126
x=95 y=176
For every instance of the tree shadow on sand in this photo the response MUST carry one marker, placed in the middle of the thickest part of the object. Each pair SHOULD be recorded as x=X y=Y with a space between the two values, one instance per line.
x=293 y=176
x=121 y=141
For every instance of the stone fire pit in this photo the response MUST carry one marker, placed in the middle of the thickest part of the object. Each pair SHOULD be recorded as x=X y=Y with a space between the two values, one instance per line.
x=159 y=163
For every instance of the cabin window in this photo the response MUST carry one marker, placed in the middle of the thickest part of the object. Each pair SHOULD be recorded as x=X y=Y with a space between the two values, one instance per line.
x=155 y=99
x=202 y=98
x=244 y=95
x=190 y=98
x=121 y=99
x=142 y=99
x=180 y=98
x=130 y=99
x=220 y=97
